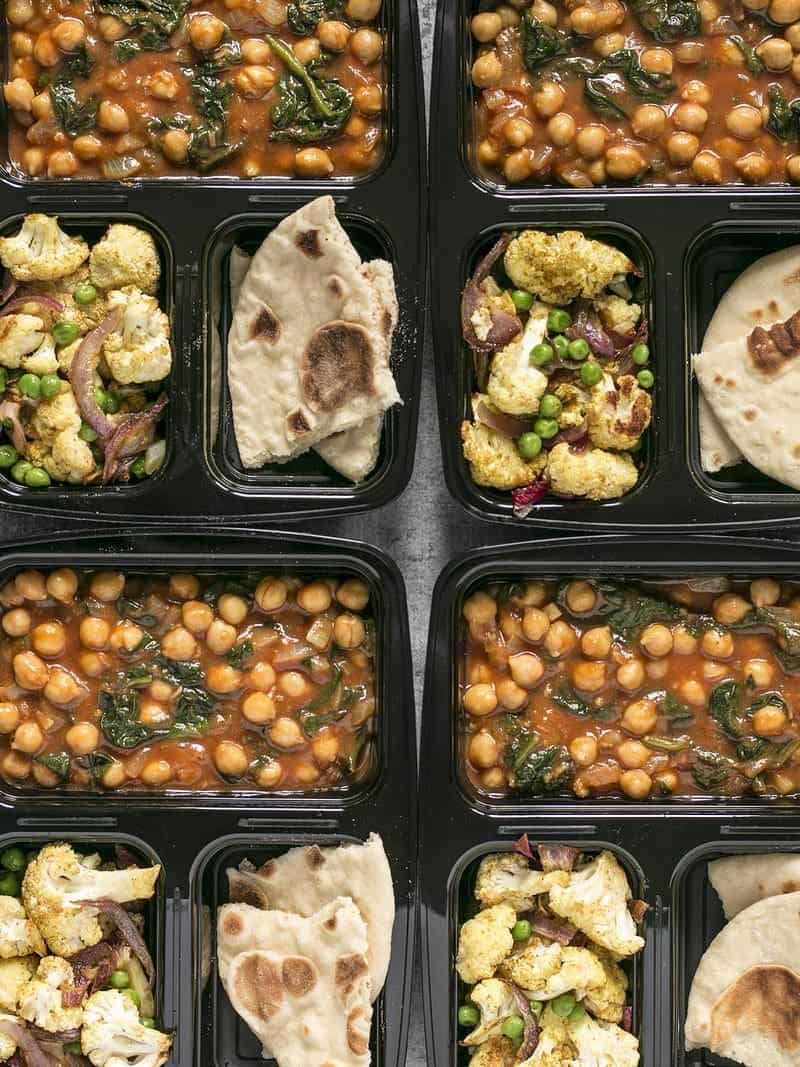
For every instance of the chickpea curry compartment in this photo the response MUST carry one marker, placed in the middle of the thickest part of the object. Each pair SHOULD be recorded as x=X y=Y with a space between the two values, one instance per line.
x=586 y=94
x=120 y=89
x=648 y=688
x=180 y=681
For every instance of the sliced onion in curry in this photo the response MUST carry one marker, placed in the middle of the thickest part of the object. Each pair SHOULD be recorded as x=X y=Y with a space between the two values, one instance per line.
x=81 y=374
x=505 y=424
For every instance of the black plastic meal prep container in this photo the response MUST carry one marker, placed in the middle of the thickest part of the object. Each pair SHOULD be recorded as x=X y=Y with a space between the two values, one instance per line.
x=196 y=835
x=196 y=221
x=691 y=243
x=664 y=845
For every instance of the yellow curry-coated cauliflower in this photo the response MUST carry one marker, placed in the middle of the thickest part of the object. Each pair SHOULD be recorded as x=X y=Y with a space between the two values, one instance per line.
x=600 y=1044
x=618 y=415
x=515 y=385
x=20 y=335
x=55 y=444
x=14 y=973
x=113 y=1036
x=616 y=313
x=84 y=316
x=40 y=999
x=495 y=1000
x=18 y=935
x=56 y=881
x=596 y=901
x=496 y=1052
x=8 y=1045
x=126 y=255
x=574 y=402
x=43 y=360
x=607 y=1001
x=507 y=878
x=546 y=969
x=560 y=267
x=484 y=942
x=554 y=1048
x=139 y=351
x=497 y=299
x=494 y=459
x=41 y=251
x=592 y=473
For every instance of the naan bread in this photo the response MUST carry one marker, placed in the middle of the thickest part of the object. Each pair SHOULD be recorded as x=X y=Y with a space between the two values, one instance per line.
x=303 y=879
x=352 y=453
x=753 y=385
x=766 y=292
x=301 y=984
x=744 y=1003
x=740 y=881
x=309 y=344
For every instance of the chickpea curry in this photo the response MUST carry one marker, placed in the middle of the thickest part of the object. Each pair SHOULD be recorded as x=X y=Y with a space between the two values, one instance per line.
x=122 y=89
x=649 y=689
x=676 y=92
x=179 y=681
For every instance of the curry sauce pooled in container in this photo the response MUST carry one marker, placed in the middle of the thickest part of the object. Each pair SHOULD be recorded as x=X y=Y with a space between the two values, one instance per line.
x=110 y=680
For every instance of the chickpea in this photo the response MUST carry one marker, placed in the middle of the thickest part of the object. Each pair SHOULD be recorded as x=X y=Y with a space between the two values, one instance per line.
x=696 y=92
x=640 y=717
x=107 y=585
x=487 y=71
x=545 y=12
x=69 y=35
x=765 y=592
x=333 y=35
x=49 y=639
x=258 y=708
x=93 y=664
x=630 y=675
x=776 y=53
x=44 y=776
x=693 y=692
x=152 y=714
x=9 y=717
x=30 y=672
x=535 y=595
x=353 y=594
x=271 y=594
x=782 y=783
x=293 y=684
x=184 y=586
x=28 y=737
x=591 y=141
x=759 y=671
x=509 y=16
x=232 y=608
x=589 y=21
x=517 y=132
x=220 y=637
x=656 y=668
x=547 y=99
x=683 y=642
x=256 y=51
x=348 y=631
x=285 y=733
x=560 y=639
x=709 y=10
x=17 y=622
x=633 y=754
x=94 y=633
x=657 y=60
x=306 y=773
x=117 y=80
x=196 y=616
x=82 y=738
x=656 y=639
x=682 y=148
x=636 y=784
x=607 y=43
x=690 y=117
x=494 y=778
x=254 y=81
x=362 y=10
x=222 y=678
x=45 y=51
x=31 y=585
x=535 y=624
x=743 y=121
x=792 y=35
x=325 y=747
x=15 y=765
x=19 y=94
x=307 y=49
x=61 y=164
x=581 y=597
x=526 y=669
x=768 y=720
x=162 y=84
x=717 y=644
x=624 y=162
x=706 y=168
x=269 y=774
x=730 y=608
x=178 y=643
x=369 y=99
x=596 y=643
x=784 y=11
x=205 y=31
x=20 y=12
x=113 y=118
x=480 y=699
x=793 y=163
x=230 y=759
x=483 y=750
x=366 y=46
x=111 y=28
x=518 y=166
x=583 y=750
x=127 y=636
x=261 y=676
x=114 y=776
x=314 y=597
x=510 y=695
x=561 y=129
x=21 y=45
x=156 y=772
x=589 y=675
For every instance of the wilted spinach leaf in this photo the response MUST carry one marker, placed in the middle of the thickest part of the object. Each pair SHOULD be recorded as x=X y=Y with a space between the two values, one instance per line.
x=725 y=708
x=180 y=671
x=537 y=771
x=540 y=43
x=57 y=762
x=783 y=122
x=76 y=116
x=153 y=20
x=303 y=15
x=754 y=63
x=667 y=20
x=309 y=108
x=214 y=591
x=642 y=83
x=240 y=654
x=119 y=719
x=677 y=713
x=709 y=769
x=565 y=697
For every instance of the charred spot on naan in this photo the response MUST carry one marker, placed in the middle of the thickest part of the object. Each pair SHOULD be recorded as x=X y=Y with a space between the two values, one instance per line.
x=771 y=349
x=358 y=1032
x=258 y=985
x=308 y=243
x=764 y=1000
x=232 y=925
x=241 y=890
x=314 y=857
x=337 y=366
x=334 y=287
x=266 y=870
x=299 y=975
x=387 y=323
x=266 y=326
x=297 y=424
x=349 y=971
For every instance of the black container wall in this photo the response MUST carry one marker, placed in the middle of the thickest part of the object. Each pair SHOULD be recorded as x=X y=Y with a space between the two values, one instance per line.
x=691 y=244
x=195 y=836
x=664 y=846
x=196 y=221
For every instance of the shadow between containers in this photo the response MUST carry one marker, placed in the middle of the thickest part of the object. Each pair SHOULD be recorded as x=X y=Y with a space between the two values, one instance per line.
x=459 y=826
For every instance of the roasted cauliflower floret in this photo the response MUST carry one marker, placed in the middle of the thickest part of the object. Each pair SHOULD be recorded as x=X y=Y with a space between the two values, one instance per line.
x=601 y=1044
x=596 y=901
x=617 y=314
x=494 y=459
x=484 y=942
x=18 y=935
x=618 y=416
x=56 y=882
x=497 y=300
x=495 y=1000
x=515 y=385
x=55 y=414
x=507 y=878
x=41 y=1001
x=113 y=1036
x=560 y=267
x=546 y=969
x=8 y=1045
x=41 y=251
x=497 y=1052
x=55 y=443
x=126 y=255
x=84 y=316
x=592 y=473
x=140 y=350
x=14 y=973
x=20 y=335
x=574 y=402
x=43 y=360
x=554 y=1048
x=607 y=1001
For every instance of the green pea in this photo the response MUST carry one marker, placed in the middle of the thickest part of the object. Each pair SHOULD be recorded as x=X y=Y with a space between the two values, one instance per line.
x=640 y=354
x=558 y=320
x=546 y=428
x=3 y=379
x=8 y=456
x=529 y=445
x=561 y=344
x=578 y=349
x=550 y=406
x=131 y=994
x=101 y=397
x=74 y=1048
x=577 y=1013
x=112 y=404
x=591 y=373
x=85 y=293
x=635 y=448
x=541 y=354
x=50 y=385
x=120 y=979
x=64 y=333
x=521 y=300
x=138 y=468
x=513 y=1027
x=9 y=885
x=645 y=378
x=37 y=478
x=468 y=1015
x=563 y=1005
x=537 y=1008
x=20 y=469
x=30 y=385
x=521 y=930
x=12 y=859
x=148 y=1023
x=87 y=433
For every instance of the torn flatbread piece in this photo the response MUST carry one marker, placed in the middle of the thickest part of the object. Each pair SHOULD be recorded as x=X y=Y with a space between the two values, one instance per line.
x=300 y=983
x=740 y=881
x=308 y=348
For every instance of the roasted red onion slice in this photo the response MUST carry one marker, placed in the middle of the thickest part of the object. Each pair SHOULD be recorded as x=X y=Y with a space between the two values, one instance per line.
x=505 y=424
x=558 y=857
x=9 y=410
x=627 y=1018
x=7 y=287
x=34 y=1056
x=504 y=325
x=574 y=436
x=585 y=325
x=530 y=1037
x=553 y=929
x=128 y=929
x=48 y=302
x=638 y=909
x=81 y=374
x=132 y=434
x=525 y=499
x=57 y=1037
x=624 y=360
x=523 y=846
